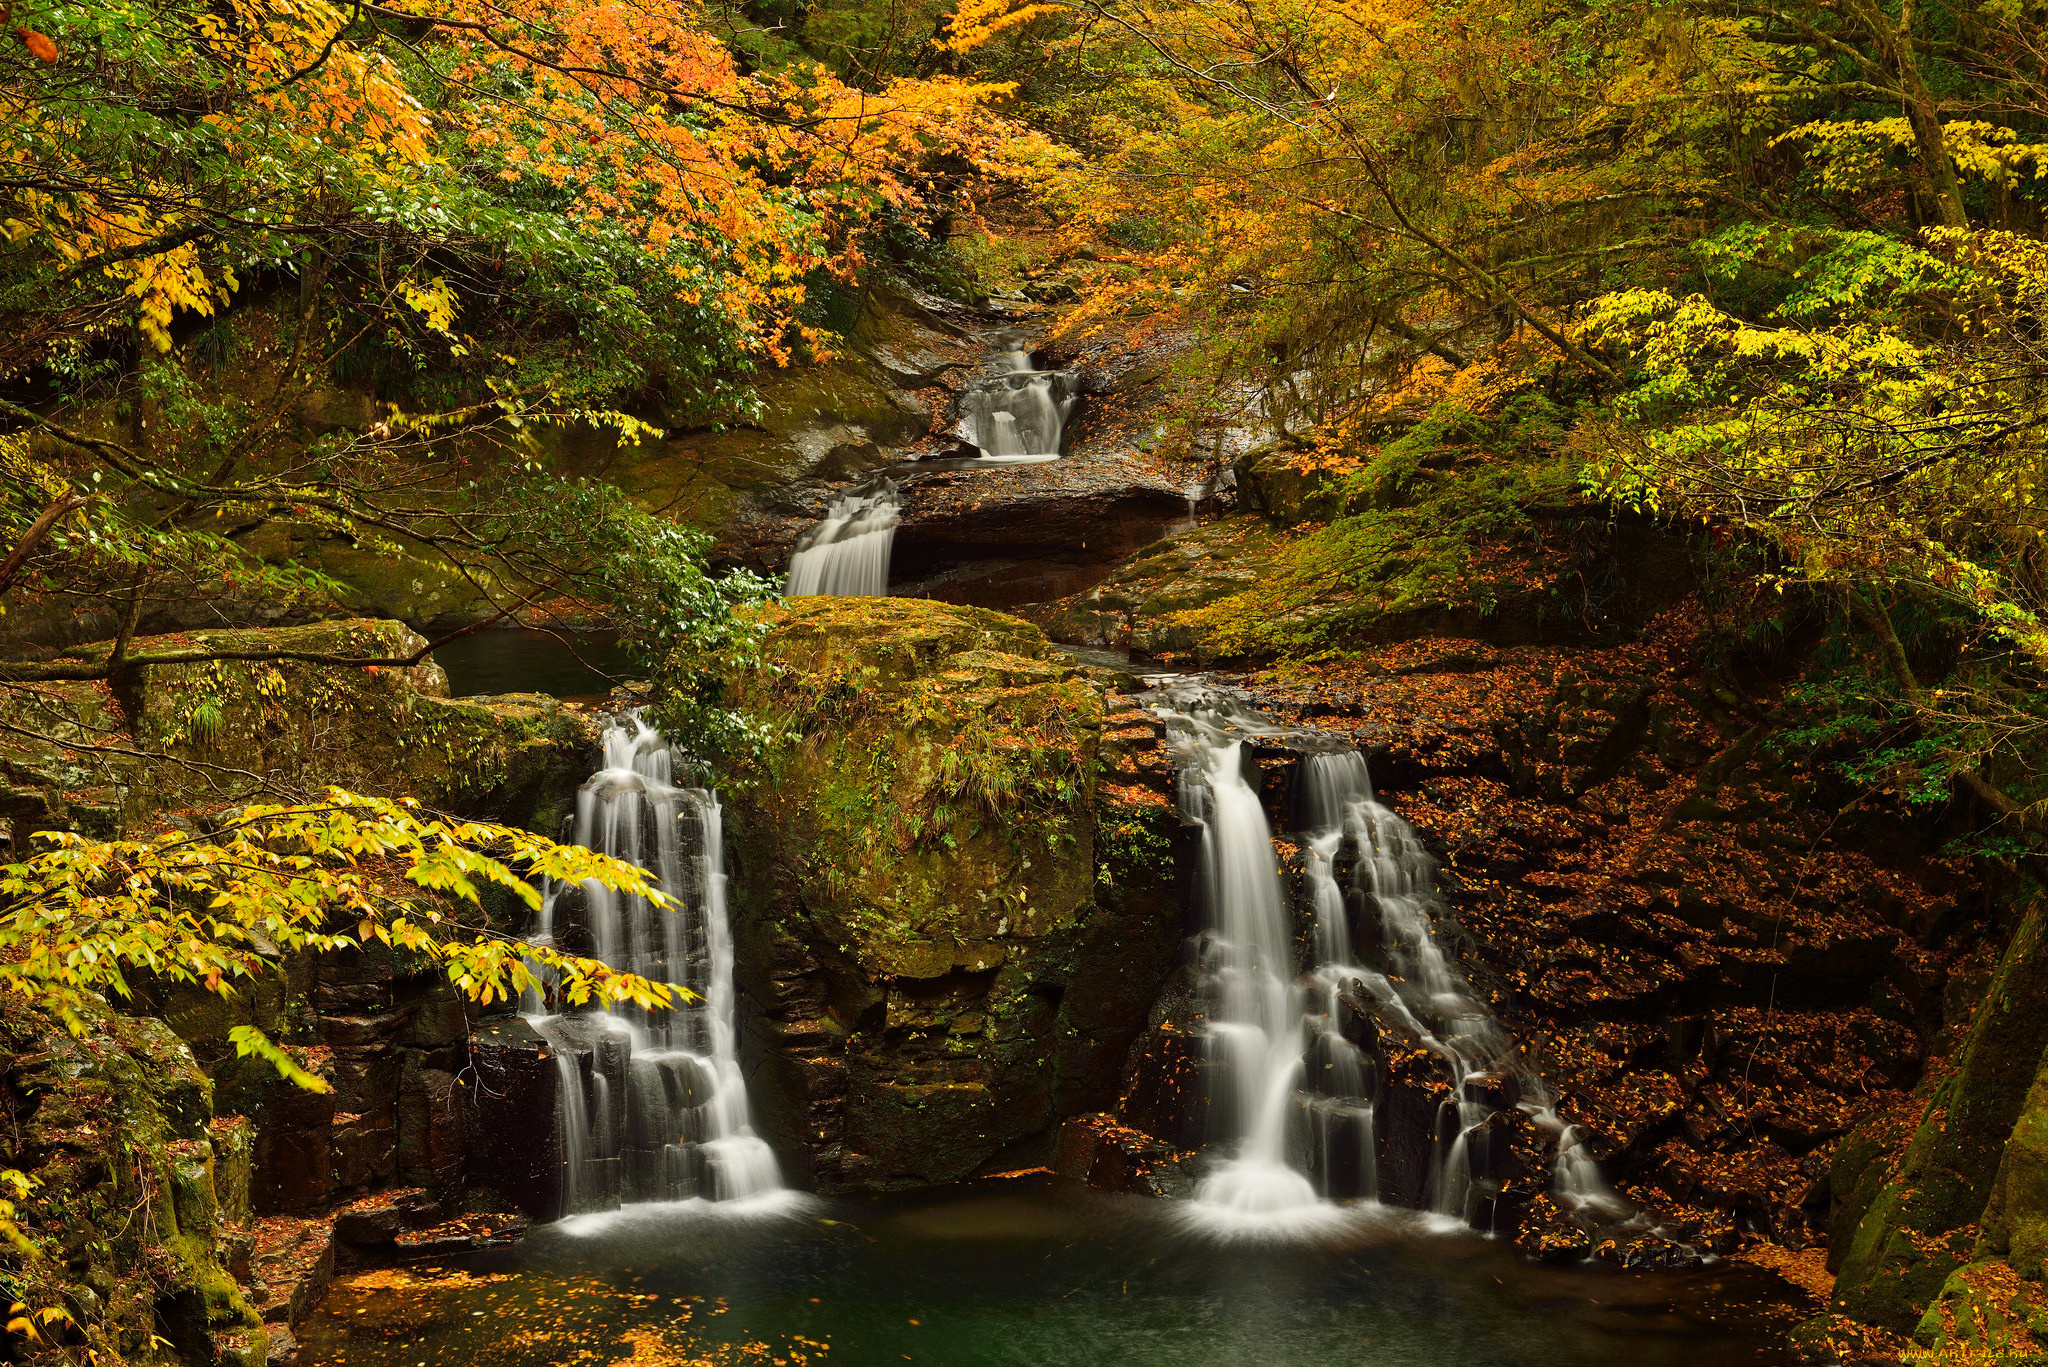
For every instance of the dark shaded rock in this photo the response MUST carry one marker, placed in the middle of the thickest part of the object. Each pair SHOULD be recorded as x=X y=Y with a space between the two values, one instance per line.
x=1920 y=1227
x=135 y=1183
x=1549 y=1234
x=515 y=1152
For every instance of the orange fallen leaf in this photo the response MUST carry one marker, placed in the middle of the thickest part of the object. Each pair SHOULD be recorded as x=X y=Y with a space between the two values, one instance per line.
x=38 y=45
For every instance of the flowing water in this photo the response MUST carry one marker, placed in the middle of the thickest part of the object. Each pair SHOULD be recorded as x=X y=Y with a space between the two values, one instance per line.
x=846 y=553
x=653 y=1106
x=1293 y=1093
x=1030 y=1273
x=1017 y=414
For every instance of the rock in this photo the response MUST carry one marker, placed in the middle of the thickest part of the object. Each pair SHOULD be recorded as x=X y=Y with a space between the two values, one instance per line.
x=1550 y=1235
x=1139 y=605
x=514 y=1155
x=1014 y=535
x=135 y=1182
x=463 y=1234
x=385 y=730
x=1920 y=1228
x=508 y=757
x=1499 y=1091
x=369 y=1223
x=294 y=1262
x=1108 y=1156
x=431 y=1124
x=939 y=955
x=1985 y=1311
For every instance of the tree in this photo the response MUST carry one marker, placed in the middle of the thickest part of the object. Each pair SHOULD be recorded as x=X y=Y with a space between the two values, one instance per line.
x=268 y=883
x=279 y=274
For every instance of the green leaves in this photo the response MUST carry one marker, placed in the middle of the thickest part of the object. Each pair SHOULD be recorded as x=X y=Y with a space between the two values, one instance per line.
x=270 y=882
x=249 y=1041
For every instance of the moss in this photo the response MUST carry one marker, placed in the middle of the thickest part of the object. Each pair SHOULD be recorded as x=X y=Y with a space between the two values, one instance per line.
x=134 y=1179
x=1921 y=1226
x=2016 y=1217
x=1986 y=1311
x=229 y=726
x=931 y=772
x=1459 y=527
x=919 y=878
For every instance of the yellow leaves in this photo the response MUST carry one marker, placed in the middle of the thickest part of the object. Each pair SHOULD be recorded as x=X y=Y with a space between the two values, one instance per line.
x=250 y=1042
x=81 y=913
x=978 y=21
x=168 y=281
x=1854 y=153
x=434 y=301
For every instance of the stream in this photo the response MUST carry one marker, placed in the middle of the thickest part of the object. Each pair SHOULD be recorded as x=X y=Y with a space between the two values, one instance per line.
x=1297 y=1242
x=1035 y=1272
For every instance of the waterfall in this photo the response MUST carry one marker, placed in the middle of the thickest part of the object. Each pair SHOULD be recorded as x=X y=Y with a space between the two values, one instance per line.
x=846 y=553
x=652 y=1103
x=1018 y=414
x=1279 y=1033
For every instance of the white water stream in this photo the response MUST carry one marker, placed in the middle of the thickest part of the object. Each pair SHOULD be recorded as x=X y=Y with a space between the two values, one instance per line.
x=1277 y=1053
x=1017 y=414
x=652 y=1103
x=846 y=553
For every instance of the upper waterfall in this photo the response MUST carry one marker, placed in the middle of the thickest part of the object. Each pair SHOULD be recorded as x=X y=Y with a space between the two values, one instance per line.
x=1017 y=413
x=847 y=552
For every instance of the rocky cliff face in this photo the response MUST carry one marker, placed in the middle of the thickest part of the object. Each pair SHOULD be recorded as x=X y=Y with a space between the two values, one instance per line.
x=1939 y=1216
x=138 y=1209
x=1753 y=985
x=223 y=1179
x=186 y=737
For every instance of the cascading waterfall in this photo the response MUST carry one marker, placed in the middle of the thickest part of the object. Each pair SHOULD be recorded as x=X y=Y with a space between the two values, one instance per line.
x=846 y=553
x=1019 y=413
x=1278 y=1052
x=653 y=1106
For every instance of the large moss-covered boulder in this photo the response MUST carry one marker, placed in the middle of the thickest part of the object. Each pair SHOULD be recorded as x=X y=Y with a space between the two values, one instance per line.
x=281 y=719
x=937 y=772
x=2015 y=1219
x=1996 y=1306
x=936 y=966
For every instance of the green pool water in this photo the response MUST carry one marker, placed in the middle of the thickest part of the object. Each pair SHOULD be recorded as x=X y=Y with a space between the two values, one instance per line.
x=1037 y=1273
x=568 y=664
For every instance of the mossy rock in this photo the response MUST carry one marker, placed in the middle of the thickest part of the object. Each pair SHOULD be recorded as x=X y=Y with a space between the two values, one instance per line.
x=225 y=726
x=134 y=1177
x=932 y=778
x=53 y=777
x=2015 y=1219
x=948 y=954
x=1986 y=1312
x=1921 y=1227
x=831 y=421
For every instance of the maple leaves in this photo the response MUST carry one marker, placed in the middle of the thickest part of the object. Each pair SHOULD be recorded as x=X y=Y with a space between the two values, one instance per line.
x=83 y=915
x=214 y=141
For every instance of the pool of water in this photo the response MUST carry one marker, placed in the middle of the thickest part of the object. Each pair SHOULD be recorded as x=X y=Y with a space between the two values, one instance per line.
x=1032 y=1273
x=568 y=664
